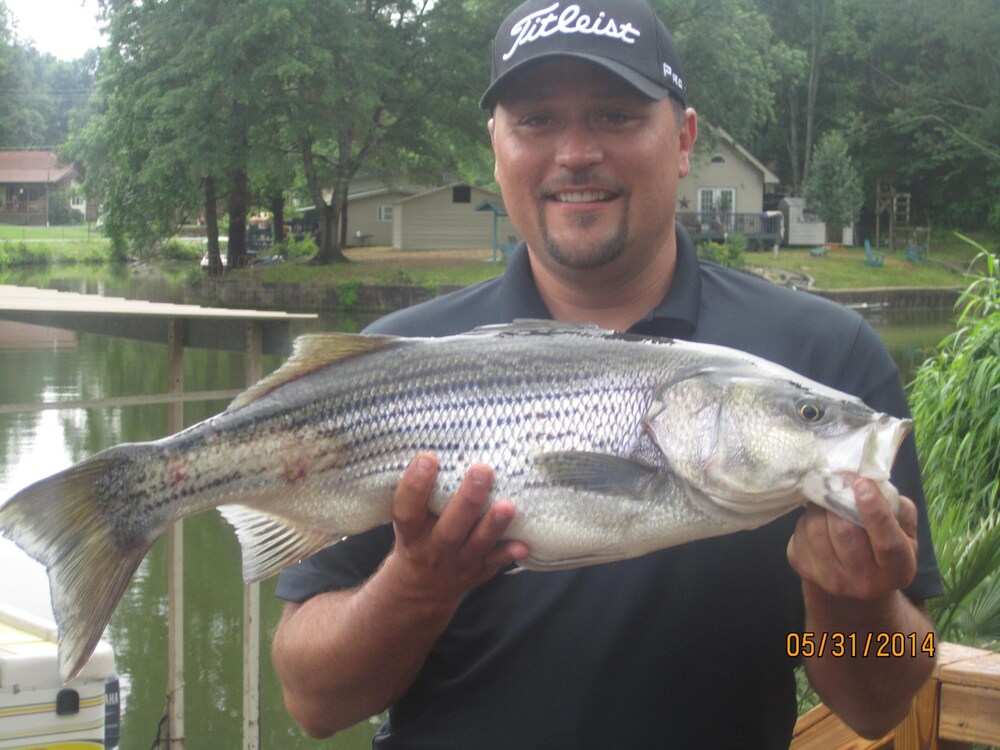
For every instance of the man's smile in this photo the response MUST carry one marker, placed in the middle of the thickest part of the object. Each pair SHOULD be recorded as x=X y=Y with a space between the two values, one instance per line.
x=582 y=196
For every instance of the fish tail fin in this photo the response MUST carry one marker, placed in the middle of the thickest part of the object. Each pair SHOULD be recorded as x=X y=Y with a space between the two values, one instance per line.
x=59 y=522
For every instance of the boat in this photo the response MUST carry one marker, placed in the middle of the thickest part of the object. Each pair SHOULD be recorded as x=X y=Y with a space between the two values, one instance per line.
x=40 y=712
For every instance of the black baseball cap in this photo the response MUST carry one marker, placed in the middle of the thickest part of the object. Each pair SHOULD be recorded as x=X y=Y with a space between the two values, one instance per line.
x=622 y=36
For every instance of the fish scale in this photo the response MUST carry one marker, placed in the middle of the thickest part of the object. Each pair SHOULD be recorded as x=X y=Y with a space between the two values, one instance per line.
x=608 y=447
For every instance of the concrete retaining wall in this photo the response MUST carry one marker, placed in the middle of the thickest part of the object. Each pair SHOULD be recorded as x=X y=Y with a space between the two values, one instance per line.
x=313 y=297
x=385 y=298
x=897 y=298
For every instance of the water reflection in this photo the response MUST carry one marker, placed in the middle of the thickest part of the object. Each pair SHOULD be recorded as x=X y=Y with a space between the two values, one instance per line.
x=33 y=445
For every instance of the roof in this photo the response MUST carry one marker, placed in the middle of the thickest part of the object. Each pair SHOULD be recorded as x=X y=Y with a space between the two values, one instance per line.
x=32 y=167
x=425 y=193
x=770 y=178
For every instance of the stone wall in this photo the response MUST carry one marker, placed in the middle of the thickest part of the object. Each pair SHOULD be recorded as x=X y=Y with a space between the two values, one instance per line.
x=249 y=293
x=896 y=298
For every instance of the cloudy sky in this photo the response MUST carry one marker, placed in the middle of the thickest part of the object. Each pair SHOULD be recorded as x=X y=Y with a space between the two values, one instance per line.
x=64 y=28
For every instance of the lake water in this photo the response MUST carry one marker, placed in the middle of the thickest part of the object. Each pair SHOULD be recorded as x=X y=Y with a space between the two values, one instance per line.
x=44 y=365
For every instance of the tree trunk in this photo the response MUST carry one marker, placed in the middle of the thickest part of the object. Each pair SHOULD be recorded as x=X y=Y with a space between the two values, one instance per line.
x=329 y=248
x=815 y=54
x=343 y=220
x=277 y=219
x=793 y=142
x=215 y=266
x=239 y=206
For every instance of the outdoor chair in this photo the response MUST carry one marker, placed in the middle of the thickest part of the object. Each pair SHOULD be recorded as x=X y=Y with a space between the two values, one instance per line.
x=873 y=259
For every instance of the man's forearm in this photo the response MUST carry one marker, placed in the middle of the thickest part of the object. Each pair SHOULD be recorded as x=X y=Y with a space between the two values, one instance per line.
x=870 y=693
x=343 y=656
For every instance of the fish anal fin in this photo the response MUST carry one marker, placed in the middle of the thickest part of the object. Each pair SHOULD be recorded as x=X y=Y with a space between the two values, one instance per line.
x=598 y=472
x=313 y=352
x=269 y=542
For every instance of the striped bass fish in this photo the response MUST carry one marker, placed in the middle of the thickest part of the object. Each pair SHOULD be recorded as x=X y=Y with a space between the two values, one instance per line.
x=609 y=446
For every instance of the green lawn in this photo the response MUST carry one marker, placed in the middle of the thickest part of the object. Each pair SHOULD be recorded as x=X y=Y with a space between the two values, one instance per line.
x=845 y=268
x=840 y=268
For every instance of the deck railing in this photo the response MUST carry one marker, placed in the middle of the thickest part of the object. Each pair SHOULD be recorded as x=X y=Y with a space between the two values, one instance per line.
x=761 y=230
x=957 y=708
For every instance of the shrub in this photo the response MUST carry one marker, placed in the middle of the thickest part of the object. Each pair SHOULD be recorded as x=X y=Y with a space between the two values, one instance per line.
x=955 y=398
x=729 y=254
x=177 y=249
x=304 y=248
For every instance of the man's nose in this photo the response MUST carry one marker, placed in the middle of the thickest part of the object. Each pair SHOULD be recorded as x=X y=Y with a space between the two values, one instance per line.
x=579 y=147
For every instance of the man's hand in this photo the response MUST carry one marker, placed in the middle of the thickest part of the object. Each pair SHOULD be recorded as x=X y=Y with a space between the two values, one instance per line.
x=345 y=655
x=852 y=581
x=862 y=563
x=443 y=557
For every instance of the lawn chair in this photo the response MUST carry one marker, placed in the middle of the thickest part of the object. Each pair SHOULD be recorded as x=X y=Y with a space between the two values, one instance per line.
x=873 y=259
x=916 y=254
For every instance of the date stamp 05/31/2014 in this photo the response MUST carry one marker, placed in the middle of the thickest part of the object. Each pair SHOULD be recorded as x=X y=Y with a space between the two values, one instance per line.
x=880 y=645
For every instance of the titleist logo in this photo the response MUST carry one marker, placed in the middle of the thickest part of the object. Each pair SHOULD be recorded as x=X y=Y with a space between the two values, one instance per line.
x=545 y=22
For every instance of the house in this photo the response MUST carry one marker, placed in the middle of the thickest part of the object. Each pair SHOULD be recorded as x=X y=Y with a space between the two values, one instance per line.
x=446 y=218
x=27 y=180
x=371 y=207
x=724 y=193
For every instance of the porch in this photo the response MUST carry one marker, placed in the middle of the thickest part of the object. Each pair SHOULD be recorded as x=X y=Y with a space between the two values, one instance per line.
x=762 y=230
x=24 y=206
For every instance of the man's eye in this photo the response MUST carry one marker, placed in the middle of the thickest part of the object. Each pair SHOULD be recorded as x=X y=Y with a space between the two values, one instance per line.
x=535 y=121
x=617 y=118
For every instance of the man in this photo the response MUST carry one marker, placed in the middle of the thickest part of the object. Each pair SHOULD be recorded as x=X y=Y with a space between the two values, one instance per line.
x=683 y=648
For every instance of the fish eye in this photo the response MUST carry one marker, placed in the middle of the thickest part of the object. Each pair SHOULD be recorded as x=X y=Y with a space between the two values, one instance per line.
x=809 y=411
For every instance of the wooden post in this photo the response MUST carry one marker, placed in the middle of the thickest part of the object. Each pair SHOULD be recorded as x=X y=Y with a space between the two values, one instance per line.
x=251 y=591
x=175 y=556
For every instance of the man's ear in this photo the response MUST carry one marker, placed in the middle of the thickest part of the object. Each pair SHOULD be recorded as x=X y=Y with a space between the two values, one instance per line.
x=687 y=136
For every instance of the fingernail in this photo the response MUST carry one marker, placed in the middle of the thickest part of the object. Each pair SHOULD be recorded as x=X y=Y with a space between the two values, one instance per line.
x=480 y=477
x=423 y=465
x=864 y=492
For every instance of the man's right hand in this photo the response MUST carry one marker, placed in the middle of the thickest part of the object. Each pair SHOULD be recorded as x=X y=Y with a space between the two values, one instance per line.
x=343 y=656
x=443 y=557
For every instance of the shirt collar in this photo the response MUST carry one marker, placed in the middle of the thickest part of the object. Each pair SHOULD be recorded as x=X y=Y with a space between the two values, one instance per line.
x=676 y=315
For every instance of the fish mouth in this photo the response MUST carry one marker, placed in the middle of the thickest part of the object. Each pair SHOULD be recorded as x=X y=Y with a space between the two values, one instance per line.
x=867 y=453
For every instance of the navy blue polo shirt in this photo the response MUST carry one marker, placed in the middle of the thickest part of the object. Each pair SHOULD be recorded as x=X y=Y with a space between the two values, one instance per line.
x=681 y=648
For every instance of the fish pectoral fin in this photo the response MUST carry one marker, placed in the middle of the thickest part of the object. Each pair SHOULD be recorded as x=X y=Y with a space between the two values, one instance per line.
x=598 y=472
x=269 y=542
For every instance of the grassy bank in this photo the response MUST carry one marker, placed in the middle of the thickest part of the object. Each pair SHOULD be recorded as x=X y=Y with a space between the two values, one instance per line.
x=21 y=245
x=839 y=268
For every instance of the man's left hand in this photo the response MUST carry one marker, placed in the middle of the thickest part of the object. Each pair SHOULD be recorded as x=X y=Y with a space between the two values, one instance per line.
x=849 y=561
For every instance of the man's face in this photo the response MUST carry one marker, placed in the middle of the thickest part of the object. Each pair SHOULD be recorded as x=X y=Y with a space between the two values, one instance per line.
x=588 y=166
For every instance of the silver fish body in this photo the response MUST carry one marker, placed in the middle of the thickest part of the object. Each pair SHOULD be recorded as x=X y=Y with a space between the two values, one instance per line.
x=608 y=446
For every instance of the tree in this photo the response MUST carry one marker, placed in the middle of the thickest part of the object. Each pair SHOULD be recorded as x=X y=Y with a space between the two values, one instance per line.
x=932 y=119
x=731 y=60
x=397 y=79
x=834 y=192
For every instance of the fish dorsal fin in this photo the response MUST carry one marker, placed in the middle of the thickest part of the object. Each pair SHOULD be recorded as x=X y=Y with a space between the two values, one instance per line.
x=313 y=352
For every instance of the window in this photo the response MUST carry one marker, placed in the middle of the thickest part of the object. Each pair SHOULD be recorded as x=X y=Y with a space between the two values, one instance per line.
x=385 y=213
x=461 y=194
x=716 y=200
